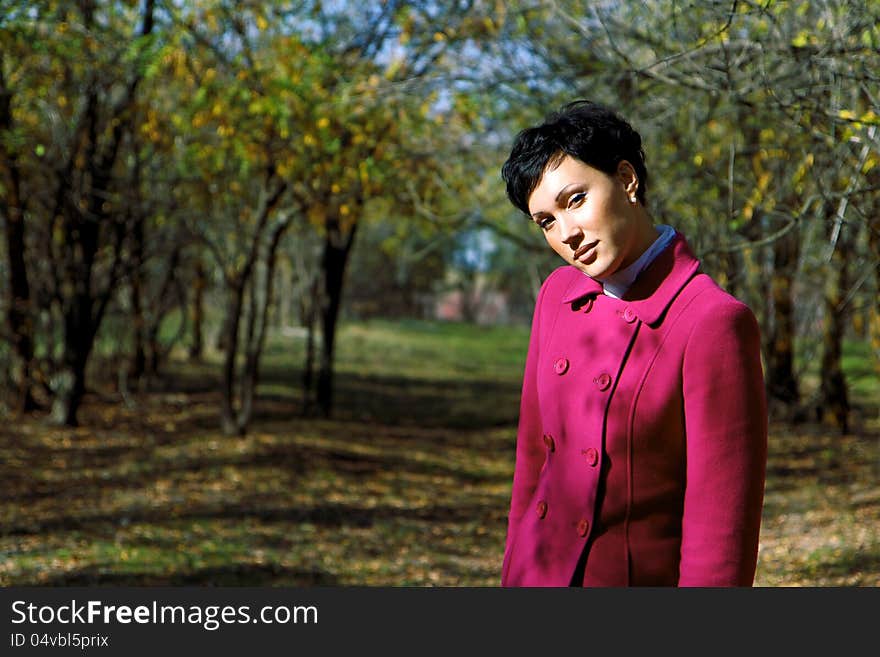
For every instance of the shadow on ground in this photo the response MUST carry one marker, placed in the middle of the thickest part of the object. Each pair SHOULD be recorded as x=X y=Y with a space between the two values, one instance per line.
x=151 y=493
x=406 y=484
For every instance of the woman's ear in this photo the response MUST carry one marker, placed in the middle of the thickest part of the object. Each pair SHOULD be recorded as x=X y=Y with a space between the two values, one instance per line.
x=628 y=178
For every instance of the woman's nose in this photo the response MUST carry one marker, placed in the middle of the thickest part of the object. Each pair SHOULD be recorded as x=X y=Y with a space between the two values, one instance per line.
x=571 y=233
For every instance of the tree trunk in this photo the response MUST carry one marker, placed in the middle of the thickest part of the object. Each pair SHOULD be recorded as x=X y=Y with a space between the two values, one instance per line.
x=230 y=342
x=236 y=289
x=197 y=310
x=261 y=301
x=71 y=381
x=83 y=309
x=138 y=356
x=79 y=326
x=337 y=247
x=248 y=380
x=309 y=312
x=874 y=251
x=284 y=308
x=162 y=305
x=727 y=271
x=781 y=382
x=833 y=406
x=18 y=315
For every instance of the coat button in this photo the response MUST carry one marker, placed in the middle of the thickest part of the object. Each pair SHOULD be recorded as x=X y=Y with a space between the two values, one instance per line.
x=587 y=305
x=541 y=509
x=561 y=366
x=629 y=316
x=591 y=456
x=583 y=527
x=548 y=441
x=603 y=381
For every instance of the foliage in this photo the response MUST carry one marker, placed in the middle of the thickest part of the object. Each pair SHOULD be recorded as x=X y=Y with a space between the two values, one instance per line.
x=153 y=140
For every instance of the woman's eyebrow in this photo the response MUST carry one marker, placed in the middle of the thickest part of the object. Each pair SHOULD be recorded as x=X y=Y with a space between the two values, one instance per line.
x=563 y=191
x=559 y=196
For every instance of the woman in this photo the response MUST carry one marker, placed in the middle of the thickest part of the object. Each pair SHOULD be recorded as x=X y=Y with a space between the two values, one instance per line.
x=642 y=440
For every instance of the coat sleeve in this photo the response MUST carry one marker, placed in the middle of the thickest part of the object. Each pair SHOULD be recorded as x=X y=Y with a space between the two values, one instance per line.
x=726 y=432
x=530 y=452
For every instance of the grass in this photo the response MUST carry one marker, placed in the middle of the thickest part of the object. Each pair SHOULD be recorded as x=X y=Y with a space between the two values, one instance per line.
x=407 y=485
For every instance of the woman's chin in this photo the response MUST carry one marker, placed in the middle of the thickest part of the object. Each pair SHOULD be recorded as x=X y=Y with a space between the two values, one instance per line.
x=593 y=269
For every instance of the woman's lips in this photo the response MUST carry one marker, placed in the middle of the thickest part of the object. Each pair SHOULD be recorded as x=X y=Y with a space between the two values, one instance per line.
x=585 y=250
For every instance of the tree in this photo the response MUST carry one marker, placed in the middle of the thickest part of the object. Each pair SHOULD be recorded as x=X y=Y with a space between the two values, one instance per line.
x=69 y=102
x=19 y=315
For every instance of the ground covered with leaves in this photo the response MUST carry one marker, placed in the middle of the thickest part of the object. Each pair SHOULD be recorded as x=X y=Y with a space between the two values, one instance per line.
x=406 y=485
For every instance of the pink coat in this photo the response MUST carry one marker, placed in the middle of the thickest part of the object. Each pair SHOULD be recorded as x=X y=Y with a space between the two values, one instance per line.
x=642 y=440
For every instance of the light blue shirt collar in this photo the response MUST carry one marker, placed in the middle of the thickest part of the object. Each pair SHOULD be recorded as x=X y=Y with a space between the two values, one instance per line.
x=619 y=282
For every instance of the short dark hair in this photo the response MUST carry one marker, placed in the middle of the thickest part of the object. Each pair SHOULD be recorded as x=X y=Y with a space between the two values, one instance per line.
x=594 y=134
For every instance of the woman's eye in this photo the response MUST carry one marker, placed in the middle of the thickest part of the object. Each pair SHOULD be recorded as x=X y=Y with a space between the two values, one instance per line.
x=576 y=199
x=546 y=222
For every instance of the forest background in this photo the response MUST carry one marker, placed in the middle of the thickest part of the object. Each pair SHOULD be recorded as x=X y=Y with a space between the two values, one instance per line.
x=266 y=305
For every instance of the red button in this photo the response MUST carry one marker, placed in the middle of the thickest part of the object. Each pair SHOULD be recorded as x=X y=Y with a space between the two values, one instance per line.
x=591 y=455
x=587 y=305
x=541 y=509
x=629 y=315
x=548 y=441
x=603 y=381
x=584 y=527
x=561 y=366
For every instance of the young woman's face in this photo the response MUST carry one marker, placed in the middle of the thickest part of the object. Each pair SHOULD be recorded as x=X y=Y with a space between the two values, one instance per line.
x=588 y=219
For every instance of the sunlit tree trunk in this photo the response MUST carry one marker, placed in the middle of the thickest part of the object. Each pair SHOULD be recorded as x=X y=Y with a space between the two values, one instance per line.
x=258 y=322
x=234 y=415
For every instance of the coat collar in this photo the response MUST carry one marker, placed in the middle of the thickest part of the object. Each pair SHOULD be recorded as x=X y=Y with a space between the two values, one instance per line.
x=654 y=289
